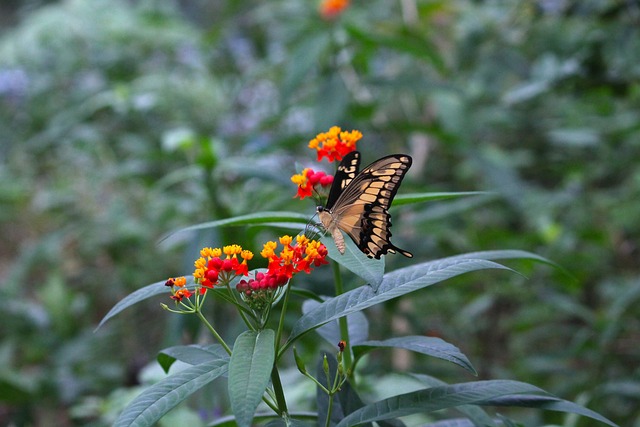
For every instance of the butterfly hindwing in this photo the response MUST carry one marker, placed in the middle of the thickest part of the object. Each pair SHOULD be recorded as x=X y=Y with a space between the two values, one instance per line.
x=361 y=209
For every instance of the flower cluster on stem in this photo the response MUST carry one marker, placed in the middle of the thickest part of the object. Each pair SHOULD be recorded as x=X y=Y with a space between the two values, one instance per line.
x=293 y=258
x=310 y=180
x=212 y=270
x=334 y=145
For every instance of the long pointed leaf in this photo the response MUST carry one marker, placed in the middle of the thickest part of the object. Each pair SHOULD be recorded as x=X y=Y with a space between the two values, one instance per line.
x=547 y=403
x=249 y=372
x=357 y=322
x=430 y=346
x=259 y=218
x=395 y=284
x=191 y=354
x=141 y=294
x=476 y=415
x=405 y=199
x=163 y=396
x=436 y=398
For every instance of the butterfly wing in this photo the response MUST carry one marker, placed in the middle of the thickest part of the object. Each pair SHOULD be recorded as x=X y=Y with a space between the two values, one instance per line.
x=347 y=171
x=361 y=210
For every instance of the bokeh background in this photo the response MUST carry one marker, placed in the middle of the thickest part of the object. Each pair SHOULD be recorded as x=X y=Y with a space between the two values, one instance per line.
x=121 y=121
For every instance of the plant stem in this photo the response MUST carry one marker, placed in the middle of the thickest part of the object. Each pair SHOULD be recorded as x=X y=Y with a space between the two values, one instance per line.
x=327 y=422
x=282 y=314
x=344 y=325
x=213 y=331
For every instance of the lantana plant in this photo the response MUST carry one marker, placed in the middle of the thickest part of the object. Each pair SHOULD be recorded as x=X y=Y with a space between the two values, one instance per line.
x=254 y=360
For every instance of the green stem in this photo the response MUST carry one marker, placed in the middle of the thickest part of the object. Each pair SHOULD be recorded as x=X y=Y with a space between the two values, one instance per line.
x=214 y=332
x=238 y=304
x=282 y=314
x=327 y=422
x=344 y=325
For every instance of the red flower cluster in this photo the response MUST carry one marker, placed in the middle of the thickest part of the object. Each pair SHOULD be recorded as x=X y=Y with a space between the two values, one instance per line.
x=212 y=270
x=335 y=144
x=308 y=180
x=293 y=259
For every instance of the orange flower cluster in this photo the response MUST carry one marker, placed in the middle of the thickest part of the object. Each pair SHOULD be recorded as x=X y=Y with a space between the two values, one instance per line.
x=308 y=180
x=211 y=269
x=335 y=144
x=293 y=259
x=329 y=9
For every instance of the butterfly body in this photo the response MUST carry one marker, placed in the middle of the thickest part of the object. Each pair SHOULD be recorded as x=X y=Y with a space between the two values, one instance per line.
x=358 y=203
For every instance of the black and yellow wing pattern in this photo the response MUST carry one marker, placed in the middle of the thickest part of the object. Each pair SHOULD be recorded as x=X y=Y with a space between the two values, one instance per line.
x=358 y=203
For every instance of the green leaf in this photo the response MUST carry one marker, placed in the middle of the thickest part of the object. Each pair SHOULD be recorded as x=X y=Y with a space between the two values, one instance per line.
x=430 y=346
x=511 y=254
x=249 y=372
x=191 y=354
x=549 y=403
x=354 y=260
x=332 y=100
x=259 y=218
x=476 y=415
x=357 y=323
x=302 y=59
x=405 y=199
x=163 y=396
x=402 y=39
x=141 y=294
x=437 y=398
x=395 y=284
x=295 y=419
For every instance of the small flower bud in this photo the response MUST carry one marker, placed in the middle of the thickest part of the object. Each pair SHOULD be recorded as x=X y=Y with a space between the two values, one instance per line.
x=299 y=362
x=325 y=365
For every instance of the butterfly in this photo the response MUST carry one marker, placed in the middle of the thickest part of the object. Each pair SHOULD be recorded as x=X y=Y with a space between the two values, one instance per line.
x=358 y=203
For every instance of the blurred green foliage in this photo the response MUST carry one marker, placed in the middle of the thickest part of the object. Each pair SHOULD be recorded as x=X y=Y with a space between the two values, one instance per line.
x=121 y=121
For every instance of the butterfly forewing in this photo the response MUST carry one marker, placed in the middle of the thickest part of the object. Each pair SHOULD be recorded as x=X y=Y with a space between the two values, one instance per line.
x=361 y=209
x=347 y=171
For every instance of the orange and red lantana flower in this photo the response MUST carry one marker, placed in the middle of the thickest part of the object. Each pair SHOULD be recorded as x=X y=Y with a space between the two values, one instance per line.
x=292 y=259
x=214 y=270
x=309 y=180
x=335 y=144
x=211 y=269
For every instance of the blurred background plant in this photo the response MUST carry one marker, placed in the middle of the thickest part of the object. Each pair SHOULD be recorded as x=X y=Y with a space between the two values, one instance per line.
x=121 y=121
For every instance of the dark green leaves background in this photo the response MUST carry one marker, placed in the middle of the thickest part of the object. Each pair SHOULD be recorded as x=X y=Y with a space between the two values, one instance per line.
x=123 y=121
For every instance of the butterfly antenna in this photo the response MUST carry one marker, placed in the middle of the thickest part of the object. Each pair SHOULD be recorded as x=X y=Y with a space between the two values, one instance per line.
x=312 y=229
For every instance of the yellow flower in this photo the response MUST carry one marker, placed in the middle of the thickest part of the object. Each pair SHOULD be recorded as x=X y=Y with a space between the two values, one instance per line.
x=200 y=263
x=301 y=178
x=268 y=250
x=286 y=240
x=232 y=250
x=210 y=252
x=302 y=240
x=246 y=255
x=286 y=254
